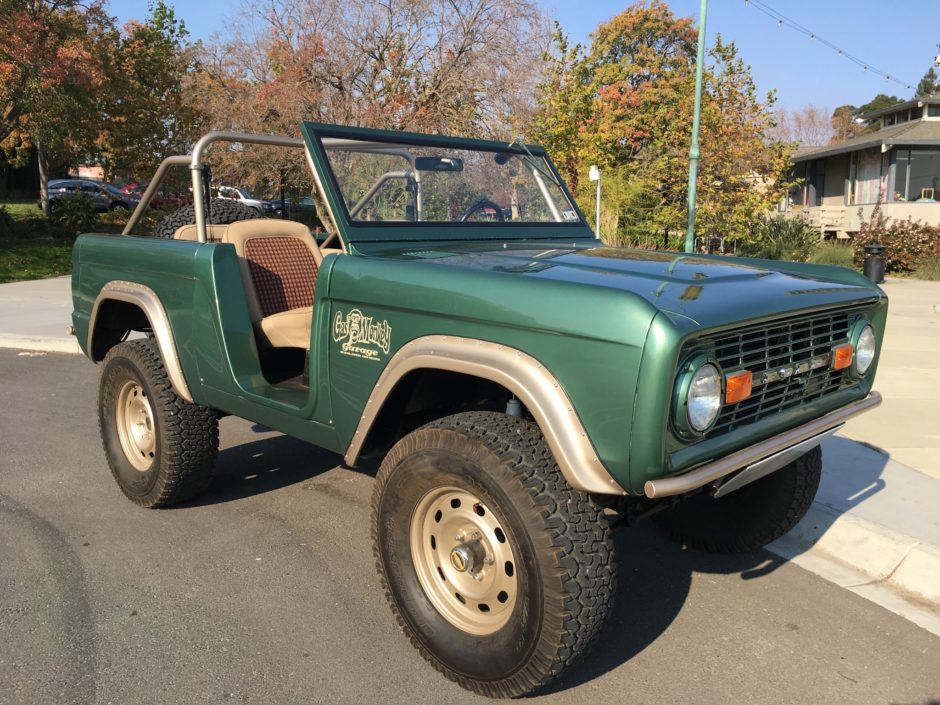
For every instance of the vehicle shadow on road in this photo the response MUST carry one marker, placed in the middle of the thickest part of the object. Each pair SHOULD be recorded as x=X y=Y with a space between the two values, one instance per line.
x=264 y=465
x=654 y=579
x=655 y=574
x=852 y=473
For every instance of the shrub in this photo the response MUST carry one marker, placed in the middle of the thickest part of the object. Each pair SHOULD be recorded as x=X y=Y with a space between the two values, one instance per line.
x=778 y=237
x=75 y=215
x=834 y=253
x=907 y=242
x=929 y=269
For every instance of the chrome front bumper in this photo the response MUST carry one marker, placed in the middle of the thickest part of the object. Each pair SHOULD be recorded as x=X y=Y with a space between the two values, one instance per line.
x=764 y=457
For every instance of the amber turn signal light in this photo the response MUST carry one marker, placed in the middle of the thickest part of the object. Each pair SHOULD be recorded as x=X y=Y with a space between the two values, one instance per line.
x=738 y=386
x=842 y=356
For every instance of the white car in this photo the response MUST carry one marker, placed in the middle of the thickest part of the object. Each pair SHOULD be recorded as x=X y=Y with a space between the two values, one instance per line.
x=231 y=193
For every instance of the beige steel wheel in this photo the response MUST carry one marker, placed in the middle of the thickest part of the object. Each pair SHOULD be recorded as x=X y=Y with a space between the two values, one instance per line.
x=498 y=571
x=463 y=560
x=135 y=425
x=161 y=449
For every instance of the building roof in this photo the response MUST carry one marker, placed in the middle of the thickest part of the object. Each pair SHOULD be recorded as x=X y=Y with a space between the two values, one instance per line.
x=931 y=99
x=915 y=132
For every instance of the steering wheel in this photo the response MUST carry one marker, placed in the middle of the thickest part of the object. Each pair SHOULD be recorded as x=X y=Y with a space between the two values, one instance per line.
x=480 y=205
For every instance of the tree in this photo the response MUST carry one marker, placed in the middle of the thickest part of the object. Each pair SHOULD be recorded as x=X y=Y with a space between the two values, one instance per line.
x=879 y=102
x=848 y=121
x=810 y=126
x=929 y=84
x=625 y=104
x=844 y=124
x=149 y=113
x=52 y=66
x=462 y=66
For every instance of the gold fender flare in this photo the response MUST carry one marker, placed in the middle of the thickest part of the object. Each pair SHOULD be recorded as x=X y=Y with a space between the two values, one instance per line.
x=518 y=372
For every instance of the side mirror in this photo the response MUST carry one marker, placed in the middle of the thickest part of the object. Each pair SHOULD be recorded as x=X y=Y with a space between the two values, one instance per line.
x=438 y=164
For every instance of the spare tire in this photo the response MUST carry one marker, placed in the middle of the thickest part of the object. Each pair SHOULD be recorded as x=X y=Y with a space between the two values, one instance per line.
x=222 y=212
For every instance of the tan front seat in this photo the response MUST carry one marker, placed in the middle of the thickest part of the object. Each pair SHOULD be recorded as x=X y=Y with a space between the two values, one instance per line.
x=279 y=262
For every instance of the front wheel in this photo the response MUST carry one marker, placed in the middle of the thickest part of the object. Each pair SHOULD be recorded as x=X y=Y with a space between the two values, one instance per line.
x=750 y=517
x=500 y=573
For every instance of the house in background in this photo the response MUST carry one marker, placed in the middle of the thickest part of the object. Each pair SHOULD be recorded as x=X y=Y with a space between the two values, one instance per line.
x=898 y=166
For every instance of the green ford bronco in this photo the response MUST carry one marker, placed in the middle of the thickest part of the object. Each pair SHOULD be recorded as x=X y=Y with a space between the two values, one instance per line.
x=524 y=385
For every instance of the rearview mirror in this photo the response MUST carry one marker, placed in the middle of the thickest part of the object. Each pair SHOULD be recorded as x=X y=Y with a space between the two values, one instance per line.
x=438 y=164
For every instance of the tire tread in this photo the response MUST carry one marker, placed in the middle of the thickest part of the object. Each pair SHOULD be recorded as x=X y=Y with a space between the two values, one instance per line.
x=579 y=534
x=190 y=432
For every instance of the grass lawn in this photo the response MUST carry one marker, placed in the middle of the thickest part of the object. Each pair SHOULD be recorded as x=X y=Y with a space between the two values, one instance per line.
x=28 y=258
x=30 y=251
x=21 y=208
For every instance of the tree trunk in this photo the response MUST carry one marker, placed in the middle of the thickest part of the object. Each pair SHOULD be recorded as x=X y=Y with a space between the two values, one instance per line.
x=43 y=178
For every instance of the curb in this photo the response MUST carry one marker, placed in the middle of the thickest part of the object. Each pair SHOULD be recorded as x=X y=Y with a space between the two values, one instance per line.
x=895 y=571
x=40 y=342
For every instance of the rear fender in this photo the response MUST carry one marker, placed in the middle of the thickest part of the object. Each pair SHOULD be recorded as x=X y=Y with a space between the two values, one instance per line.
x=144 y=298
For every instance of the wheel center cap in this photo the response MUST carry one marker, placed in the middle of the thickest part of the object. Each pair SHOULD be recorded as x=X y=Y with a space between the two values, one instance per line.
x=467 y=557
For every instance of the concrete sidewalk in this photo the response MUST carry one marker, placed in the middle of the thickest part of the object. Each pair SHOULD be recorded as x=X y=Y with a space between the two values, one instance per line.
x=875 y=526
x=34 y=315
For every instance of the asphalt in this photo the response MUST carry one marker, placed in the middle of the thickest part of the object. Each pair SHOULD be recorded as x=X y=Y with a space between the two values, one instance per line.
x=264 y=590
x=874 y=528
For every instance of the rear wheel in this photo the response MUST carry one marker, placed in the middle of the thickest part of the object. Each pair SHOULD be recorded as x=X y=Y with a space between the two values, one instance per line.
x=161 y=448
x=750 y=517
x=499 y=572
x=222 y=212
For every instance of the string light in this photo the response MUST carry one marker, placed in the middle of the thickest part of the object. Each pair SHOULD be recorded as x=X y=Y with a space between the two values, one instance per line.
x=783 y=20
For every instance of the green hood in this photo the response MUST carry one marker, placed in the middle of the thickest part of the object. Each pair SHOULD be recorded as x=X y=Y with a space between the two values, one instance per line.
x=709 y=291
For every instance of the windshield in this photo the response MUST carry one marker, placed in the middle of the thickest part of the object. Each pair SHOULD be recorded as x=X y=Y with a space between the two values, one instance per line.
x=389 y=183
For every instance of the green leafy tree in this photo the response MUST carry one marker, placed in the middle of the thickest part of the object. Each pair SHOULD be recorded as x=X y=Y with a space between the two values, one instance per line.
x=149 y=113
x=847 y=122
x=53 y=65
x=625 y=104
x=879 y=102
x=929 y=84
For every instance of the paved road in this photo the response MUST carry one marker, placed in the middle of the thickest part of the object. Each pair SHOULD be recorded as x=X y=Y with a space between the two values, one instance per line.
x=264 y=591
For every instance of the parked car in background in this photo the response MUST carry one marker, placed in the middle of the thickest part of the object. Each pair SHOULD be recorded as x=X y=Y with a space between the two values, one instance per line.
x=167 y=199
x=246 y=198
x=105 y=197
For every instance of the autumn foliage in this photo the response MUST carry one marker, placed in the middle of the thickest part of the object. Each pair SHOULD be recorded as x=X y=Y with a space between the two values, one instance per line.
x=81 y=89
x=625 y=104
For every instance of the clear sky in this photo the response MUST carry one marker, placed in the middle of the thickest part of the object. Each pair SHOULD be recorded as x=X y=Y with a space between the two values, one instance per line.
x=899 y=37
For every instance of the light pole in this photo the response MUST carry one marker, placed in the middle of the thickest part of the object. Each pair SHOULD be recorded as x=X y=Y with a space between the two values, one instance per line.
x=696 y=116
x=594 y=174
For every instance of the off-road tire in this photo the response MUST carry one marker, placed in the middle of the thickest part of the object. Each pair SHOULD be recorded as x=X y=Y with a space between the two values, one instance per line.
x=748 y=518
x=223 y=212
x=560 y=539
x=185 y=435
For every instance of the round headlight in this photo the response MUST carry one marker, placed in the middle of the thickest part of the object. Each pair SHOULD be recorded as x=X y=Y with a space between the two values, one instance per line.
x=864 y=350
x=704 y=398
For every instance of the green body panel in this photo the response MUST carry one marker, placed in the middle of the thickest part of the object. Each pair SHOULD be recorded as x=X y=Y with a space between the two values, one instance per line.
x=590 y=338
x=201 y=290
x=609 y=324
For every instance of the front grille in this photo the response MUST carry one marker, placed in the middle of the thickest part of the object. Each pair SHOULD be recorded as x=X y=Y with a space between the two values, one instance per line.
x=777 y=344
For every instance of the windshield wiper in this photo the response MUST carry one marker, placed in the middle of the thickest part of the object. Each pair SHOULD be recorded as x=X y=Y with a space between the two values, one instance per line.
x=533 y=161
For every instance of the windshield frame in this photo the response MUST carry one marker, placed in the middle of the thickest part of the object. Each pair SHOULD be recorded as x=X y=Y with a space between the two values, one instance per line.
x=363 y=231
